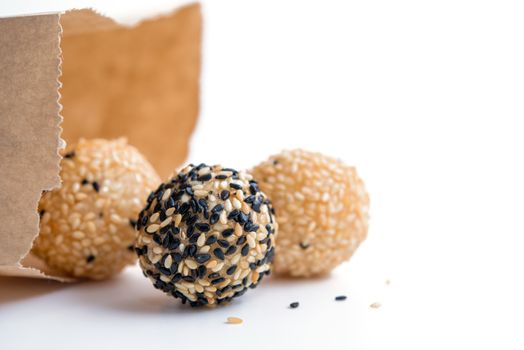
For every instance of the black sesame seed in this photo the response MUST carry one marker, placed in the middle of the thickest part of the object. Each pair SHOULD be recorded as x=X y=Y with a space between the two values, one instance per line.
x=242 y=218
x=176 y=257
x=303 y=245
x=217 y=208
x=341 y=297
x=174 y=243
x=213 y=275
x=224 y=195
x=231 y=270
x=218 y=280
x=177 y=277
x=144 y=219
x=235 y=186
x=218 y=253
x=245 y=250
x=205 y=177
x=170 y=203
x=202 y=258
x=96 y=186
x=231 y=250
x=84 y=182
x=157 y=238
x=233 y=215
x=256 y=205
x=221 y=177
x=249 y=199
x=253 y=188
x=90 y=258
x=191 y=250
x=250 y=227
x=211 y=240
x=183 y=208
x=188 y=278
x=194 y=238
x=223 y=243
x=70 y=155
x=227 y=232
x=191 y=219
x=174 y=267
x=241 y=240
x=214 y=219
x=201 y=271
x=164 y=271
x=150 y=197
x=252 y=266
x=203 y=227
x=202 y=203
x=294 y=305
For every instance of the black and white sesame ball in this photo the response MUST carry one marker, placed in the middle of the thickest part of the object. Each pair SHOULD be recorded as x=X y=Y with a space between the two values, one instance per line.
x=87 y=225
x=206 y=235
x=322 y=209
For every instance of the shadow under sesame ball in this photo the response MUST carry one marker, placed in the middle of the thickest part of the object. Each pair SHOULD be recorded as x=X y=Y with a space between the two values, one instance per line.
x=206 y=235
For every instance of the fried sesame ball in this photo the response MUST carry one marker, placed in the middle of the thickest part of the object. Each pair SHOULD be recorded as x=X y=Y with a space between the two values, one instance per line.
x=206 y=235
x=87 y=226
x=322 y=210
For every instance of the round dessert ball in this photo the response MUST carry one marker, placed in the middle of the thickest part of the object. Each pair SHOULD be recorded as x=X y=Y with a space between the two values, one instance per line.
x=206 y=235
x=87 y=226
x=322 y=210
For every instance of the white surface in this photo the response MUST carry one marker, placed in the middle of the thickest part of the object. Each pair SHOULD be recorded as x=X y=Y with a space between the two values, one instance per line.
x=425 y=98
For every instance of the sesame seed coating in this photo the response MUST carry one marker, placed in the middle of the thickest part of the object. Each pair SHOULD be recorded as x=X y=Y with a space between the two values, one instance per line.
x=207 y=264
x=322 y=209
x=88 y=224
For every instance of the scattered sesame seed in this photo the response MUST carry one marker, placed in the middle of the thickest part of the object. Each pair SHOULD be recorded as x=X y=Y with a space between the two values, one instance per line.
x=234 y=320
x=340 y=297
x=294 y=305
x=375 y=305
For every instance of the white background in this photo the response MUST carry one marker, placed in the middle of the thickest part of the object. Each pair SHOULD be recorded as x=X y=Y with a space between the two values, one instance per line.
x=424 y=97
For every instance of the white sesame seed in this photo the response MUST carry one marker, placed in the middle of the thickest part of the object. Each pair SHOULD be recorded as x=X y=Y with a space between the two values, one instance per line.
x=166 y=194
x=236 y=203
x=191 y=264
x=166 y=222
x=153 y=218
x=78 y=235
x=153 y=228
x=201 y=240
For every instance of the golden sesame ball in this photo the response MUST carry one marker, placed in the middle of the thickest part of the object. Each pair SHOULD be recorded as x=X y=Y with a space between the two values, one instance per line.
x=87 y=225
x=206 y=235
x=322 y=209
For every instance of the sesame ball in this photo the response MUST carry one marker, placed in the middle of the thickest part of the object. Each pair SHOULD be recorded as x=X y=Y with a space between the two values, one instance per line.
x=206 y=235
x=322 y=210
x=87 y=226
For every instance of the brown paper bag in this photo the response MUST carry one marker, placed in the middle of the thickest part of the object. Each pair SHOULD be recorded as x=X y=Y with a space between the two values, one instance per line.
x=140 y=82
